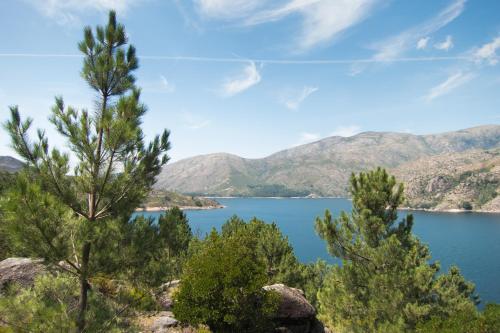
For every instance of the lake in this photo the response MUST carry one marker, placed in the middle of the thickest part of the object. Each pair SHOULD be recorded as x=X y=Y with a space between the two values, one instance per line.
x=469 y=240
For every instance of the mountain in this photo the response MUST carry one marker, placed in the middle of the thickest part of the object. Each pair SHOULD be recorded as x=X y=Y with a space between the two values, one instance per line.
x=10 y=164
x=159 y=200
x=320 y=168
x=466 y=180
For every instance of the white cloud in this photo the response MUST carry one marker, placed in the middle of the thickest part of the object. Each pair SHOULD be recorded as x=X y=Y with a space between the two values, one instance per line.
x=306 y=137
x=422 y=43
x=194 y=122
x=247 y=79
x=322 y=20
x=488 y=52
x=397 y=45
x=293 y=102
x=445 y=45
x=451 y=83
x=346 y=131
x=166 y=85
x=67 y=11
x=227 y=9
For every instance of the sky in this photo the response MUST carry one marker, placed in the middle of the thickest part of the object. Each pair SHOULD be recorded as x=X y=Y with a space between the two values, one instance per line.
x=252 y=77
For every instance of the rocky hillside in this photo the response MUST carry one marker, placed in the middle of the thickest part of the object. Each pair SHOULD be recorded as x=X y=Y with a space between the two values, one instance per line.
x=10 y=164
x=159 y=200
x=319 y=168
x=466 y=180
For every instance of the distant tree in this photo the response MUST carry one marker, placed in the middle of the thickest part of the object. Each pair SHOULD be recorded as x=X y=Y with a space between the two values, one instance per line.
x=386 y=282
x=175 y=231
x=64 y=215
x=222 y=286
x=466 y=205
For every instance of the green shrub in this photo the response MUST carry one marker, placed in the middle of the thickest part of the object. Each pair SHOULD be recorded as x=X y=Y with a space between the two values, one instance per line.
x=467 y=321
x=51 y=306
x=466 y=205
x=222 y=286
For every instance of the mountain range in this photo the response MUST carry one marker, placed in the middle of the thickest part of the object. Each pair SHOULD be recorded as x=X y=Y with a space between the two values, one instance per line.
x=10 y=164
x=322 y=168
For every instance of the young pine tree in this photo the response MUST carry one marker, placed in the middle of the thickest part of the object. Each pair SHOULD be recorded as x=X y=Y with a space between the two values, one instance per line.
x=60 y=214
x=385 y=283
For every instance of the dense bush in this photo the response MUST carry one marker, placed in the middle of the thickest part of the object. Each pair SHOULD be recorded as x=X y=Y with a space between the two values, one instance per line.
x=466 y=321
x=222 y=286
x=51 y=306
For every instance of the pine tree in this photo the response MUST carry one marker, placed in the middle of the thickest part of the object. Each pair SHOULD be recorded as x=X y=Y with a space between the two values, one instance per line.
x=114 y=168
x=385 y=282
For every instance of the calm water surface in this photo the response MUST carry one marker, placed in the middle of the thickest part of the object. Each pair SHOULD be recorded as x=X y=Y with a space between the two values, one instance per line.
x=469 y=240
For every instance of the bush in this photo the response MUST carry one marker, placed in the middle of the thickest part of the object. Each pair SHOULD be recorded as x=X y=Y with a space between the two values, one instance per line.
x=222 y=287
x=51 y=306
x=466 y=205
x=467 y=321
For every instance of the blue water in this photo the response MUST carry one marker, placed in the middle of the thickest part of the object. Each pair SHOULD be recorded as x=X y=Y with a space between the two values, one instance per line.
x=469 y=240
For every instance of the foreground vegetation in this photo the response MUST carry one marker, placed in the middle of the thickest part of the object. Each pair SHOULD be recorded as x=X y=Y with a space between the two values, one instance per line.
x=106 y=266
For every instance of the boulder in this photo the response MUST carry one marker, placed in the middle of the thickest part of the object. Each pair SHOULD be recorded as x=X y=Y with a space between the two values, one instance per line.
x=163 y=322
x=20 y=271
x=293 y=304
x=295 y=314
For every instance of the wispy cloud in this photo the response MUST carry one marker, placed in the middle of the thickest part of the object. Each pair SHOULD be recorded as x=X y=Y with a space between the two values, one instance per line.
x=451 y=83
x=159 y=85
x=193 y=121
x=346 y=131
x=322 y=20
x=227 y=9
x=349 y=61
x=395 y=46
x=294 y=99
x=306 y=137
x=166 y=85
x=488 y=52
x=66 y=12
x=445 y=45
x=422 y=43
x=248 y=78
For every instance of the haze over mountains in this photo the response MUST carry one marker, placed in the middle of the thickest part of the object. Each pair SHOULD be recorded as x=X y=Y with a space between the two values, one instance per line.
x=323 y=168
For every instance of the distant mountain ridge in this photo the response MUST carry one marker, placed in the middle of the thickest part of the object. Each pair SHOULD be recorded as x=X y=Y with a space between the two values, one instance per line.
x=10 y=164
x=320 y=168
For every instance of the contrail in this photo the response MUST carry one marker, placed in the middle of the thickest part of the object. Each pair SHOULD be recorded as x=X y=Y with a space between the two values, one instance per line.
x=246 y=60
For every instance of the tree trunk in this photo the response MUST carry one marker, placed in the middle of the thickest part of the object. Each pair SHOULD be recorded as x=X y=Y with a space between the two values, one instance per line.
x=84 y=287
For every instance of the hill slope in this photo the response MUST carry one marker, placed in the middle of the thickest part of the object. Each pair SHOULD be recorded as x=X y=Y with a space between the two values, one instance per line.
x=466 y=180
x=10 y=164
x=320 y=168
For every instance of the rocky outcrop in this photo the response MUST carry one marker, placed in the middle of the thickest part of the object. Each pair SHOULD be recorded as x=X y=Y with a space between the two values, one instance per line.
x=295 y=314
x=164 y=299
x=20 y=271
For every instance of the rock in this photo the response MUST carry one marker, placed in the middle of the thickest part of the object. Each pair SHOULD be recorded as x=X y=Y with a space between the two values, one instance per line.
x=295 y=314
x=293 y=304
x=164 y=299
x=20 y=271
x=164 y=322
x=161 y=322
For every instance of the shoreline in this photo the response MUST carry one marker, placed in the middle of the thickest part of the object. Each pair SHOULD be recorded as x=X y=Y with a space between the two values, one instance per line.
x=162 y=209
x=451 y=210
x=431 y=210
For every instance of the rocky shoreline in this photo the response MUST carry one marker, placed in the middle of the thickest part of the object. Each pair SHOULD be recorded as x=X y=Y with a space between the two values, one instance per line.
x=162 y=209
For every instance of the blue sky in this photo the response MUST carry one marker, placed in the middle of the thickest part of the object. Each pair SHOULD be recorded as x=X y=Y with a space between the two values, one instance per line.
x=252 y=77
